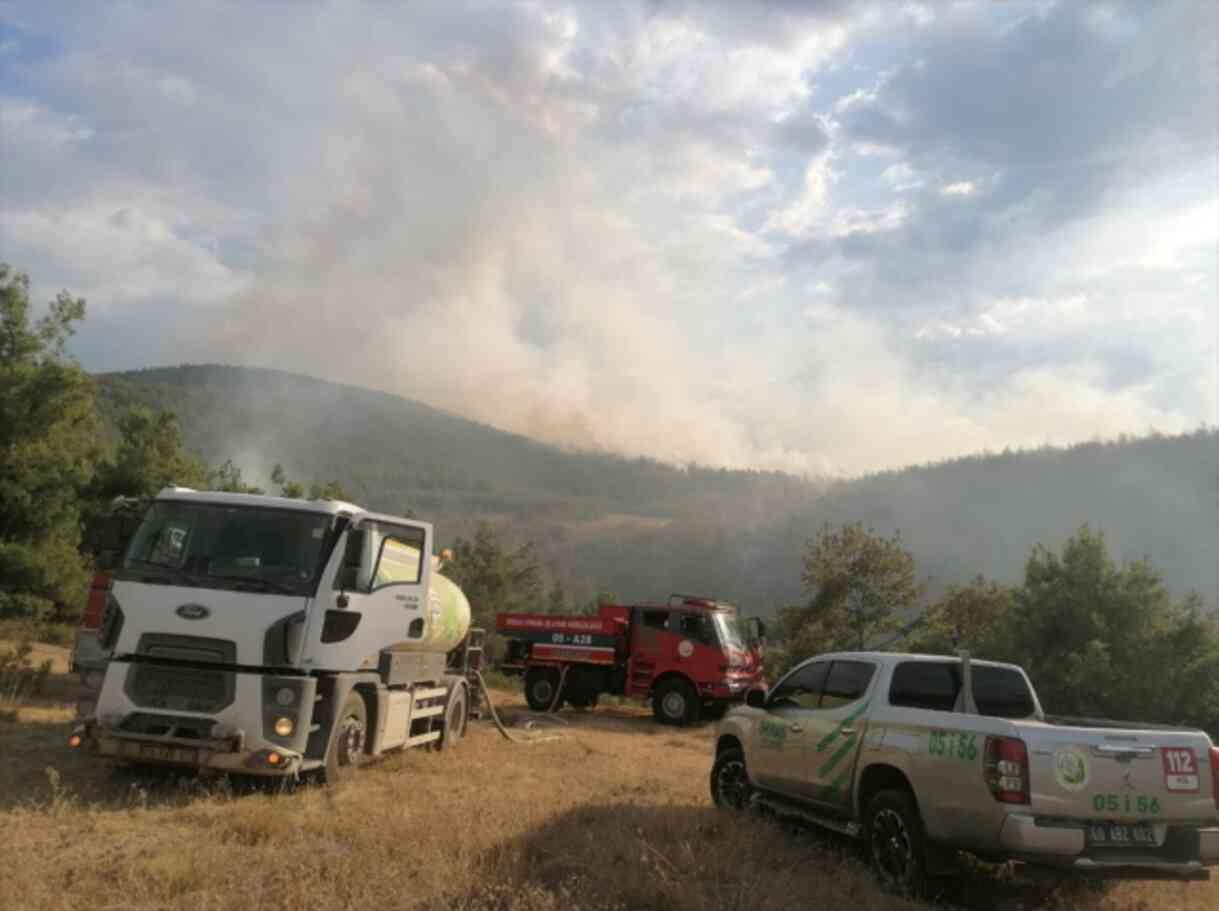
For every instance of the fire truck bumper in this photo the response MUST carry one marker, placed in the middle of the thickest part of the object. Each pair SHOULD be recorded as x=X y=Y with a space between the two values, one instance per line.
x=728 y=690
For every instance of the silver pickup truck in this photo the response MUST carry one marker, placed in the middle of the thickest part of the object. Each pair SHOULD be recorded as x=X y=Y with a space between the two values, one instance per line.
x=924 y=755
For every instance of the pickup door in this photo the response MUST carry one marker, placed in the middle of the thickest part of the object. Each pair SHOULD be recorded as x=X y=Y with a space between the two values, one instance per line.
x=1131 y=783
x=809 y=739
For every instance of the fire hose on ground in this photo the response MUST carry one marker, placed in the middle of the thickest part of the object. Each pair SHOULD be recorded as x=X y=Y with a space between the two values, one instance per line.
x=500 y=725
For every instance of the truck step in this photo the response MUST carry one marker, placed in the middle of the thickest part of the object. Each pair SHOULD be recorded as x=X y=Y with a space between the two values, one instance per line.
x=421 y=739
x=427 y=712
x=791 y=809
x=431 y=693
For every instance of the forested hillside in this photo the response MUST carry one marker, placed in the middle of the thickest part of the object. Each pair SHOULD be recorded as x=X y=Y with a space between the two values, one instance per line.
x=639 y=528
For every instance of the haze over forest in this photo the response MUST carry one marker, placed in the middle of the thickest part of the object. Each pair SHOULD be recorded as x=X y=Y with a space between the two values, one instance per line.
x=641 y=528
x=827 y=237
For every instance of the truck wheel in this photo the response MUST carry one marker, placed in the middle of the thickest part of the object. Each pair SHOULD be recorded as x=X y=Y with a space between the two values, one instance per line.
x=730 y=787
x=582 y=699
x=454 y=722
x=897 y=842
x=675 y=702
x=541 y=684
x=348 y=741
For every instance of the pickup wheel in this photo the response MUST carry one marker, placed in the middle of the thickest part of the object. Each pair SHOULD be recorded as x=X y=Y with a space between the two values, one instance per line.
x=541 y=685
x=730 y=787
x=348 y=741
x=675 y=702
x=897 y=842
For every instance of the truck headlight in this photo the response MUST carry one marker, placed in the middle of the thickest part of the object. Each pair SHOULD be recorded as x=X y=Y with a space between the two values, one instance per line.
x=284 y=726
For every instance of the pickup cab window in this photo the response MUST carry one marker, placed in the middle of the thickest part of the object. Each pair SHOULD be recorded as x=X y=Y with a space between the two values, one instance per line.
x=801 y=688
x=999 y=692
x=846 y=683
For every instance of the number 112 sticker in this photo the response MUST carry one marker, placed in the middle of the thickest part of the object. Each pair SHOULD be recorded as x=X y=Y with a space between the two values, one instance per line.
x=1180 y=769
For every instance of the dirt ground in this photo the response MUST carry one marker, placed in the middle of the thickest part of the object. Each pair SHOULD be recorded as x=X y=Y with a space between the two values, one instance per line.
x=612 y=812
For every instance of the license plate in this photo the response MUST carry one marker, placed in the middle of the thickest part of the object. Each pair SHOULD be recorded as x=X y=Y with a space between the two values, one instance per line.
x=1118 y=835
x=161 y=753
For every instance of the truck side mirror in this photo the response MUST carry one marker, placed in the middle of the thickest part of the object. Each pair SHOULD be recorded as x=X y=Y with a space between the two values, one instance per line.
x=755 y=698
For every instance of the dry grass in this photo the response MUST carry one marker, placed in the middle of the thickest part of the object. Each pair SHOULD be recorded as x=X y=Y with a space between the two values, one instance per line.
x=613 y=815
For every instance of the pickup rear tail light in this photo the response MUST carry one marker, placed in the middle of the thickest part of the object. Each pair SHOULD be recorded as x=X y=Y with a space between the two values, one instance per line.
x=1215 y=775
x=1006 y=769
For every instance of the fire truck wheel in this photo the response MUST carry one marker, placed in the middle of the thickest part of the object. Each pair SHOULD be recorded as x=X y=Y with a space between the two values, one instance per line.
x=675 y=702
x=348 y=741
x=540 y=686
x=582 y=699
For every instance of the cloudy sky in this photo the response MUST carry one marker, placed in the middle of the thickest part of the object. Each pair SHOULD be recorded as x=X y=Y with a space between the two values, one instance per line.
x=828 y=237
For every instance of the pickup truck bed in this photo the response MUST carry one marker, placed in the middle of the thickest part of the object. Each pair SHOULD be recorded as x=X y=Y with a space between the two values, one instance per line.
x=897 y=749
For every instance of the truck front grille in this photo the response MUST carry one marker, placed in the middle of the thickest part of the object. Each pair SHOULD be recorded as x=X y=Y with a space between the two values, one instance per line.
x=183 y=726
x=176 y=687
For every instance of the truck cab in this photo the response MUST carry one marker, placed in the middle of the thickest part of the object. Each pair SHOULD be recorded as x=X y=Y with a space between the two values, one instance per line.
x=690 y=656
x=273 y=636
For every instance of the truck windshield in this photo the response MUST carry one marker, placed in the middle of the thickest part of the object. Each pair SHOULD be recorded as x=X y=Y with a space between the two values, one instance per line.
x=728 y=628
x=219 y=545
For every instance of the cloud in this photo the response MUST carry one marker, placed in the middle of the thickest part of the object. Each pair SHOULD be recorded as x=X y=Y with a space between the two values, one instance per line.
x=812 y=236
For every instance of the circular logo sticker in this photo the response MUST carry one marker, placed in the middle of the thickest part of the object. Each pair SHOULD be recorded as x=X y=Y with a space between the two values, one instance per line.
x=686 y=648
x=1071 y=768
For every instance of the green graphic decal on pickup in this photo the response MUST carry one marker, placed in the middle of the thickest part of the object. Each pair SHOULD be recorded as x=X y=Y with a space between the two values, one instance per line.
x=772 y=732
x=953 y=745
x=836 y=758
x=834 y=734
x=844 y=749
x=1126 y=804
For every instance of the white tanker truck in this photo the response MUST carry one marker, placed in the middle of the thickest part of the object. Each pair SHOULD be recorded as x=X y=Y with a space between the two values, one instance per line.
x=267 y=636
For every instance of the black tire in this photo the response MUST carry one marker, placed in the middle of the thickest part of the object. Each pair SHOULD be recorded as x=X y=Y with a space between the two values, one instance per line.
x=730 y=787
x=541 y=685
x=897 y=843
x=455 y=716
x=676 y=702
x=582 y=699
x=348 y=741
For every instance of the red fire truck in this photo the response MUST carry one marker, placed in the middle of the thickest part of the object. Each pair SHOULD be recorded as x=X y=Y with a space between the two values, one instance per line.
x=691 y=656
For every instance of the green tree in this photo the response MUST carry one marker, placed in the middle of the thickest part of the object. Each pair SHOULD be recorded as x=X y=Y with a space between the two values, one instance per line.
x=556 y=598
x=293 y=490
x=227 y=478
x=1103 y=639
x=860 y=585
x=975 y=616
x=48 y=453
x=327 y=490
x=494 y=577
x=150 y=456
